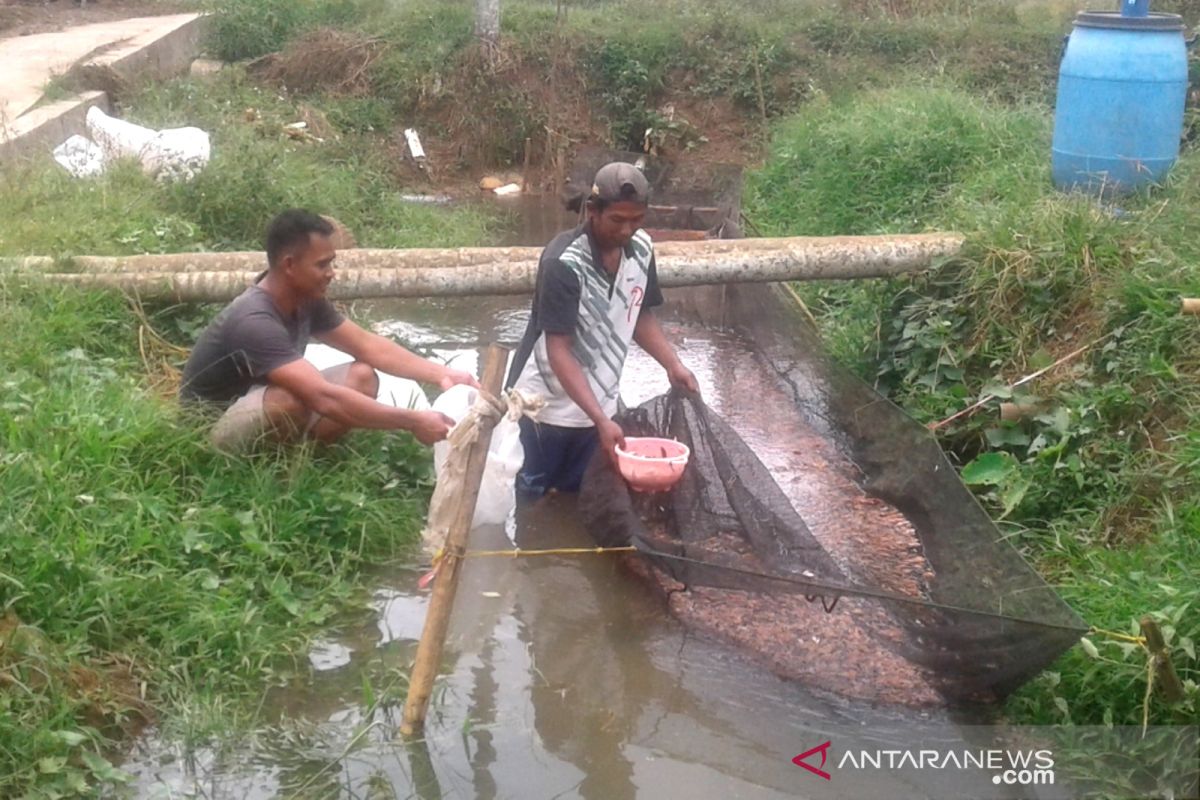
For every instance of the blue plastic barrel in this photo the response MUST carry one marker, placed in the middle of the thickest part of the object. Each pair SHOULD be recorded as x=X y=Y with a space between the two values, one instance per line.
x=1122 y=86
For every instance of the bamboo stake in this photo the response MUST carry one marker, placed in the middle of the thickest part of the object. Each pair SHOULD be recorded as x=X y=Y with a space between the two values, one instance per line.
x=525 y=172
x=498 y=271
x=1189 y=305
x=437 y=619
x=1015 y=412
x=971 y=409
x=1164 y=670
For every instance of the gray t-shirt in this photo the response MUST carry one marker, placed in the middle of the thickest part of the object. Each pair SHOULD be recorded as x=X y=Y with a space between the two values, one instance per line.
x=248 y=339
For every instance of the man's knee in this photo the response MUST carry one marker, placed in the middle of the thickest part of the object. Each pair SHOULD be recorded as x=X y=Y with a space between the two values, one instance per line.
x=362 y=378
x=284 y=410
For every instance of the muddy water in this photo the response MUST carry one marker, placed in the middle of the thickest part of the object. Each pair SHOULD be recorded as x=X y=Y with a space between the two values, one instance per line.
x=565 y=676
x=532 y=219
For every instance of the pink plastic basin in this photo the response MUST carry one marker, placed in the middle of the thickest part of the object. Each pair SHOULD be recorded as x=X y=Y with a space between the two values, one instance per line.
x=651 y=464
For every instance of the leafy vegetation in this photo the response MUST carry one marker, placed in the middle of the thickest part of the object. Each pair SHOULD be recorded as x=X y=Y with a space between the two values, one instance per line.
x=606 y=72
x=1094 y=479
x=250 y=28
x=143 y=572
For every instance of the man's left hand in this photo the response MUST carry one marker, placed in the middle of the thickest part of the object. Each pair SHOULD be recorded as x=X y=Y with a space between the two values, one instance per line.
x=456 y=377
x=682 y=378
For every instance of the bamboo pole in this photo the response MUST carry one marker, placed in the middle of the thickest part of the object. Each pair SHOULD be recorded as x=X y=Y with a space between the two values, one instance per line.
x=1189 y=305
x=525 y=171
x=1164 y=670
x=499 y=271
x=853 y=247
x=437 y=619
x=255 y=261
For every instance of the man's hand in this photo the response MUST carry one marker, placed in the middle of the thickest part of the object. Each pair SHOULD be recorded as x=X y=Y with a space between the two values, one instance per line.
x=430 y=426
x=610 y=435
x=682 y=378
x=455 y=377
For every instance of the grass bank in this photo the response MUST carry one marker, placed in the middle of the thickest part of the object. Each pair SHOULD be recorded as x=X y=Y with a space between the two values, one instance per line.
x=145 y=577
x=1096 y=484
x=257 y=169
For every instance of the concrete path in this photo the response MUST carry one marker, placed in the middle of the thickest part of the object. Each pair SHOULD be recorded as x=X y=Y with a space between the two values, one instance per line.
x=30 y=61
x=27 y=63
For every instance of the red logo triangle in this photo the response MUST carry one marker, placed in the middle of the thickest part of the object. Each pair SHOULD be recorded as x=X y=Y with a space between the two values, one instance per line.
x=800 y=762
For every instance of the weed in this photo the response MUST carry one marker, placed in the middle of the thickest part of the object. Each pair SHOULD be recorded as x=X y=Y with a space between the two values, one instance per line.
x=240 y=29
x=127 y=537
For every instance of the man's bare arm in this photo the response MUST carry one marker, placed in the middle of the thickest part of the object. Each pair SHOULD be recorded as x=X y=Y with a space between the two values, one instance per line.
x=385 y=355
x=648 y=333
x=353 y=409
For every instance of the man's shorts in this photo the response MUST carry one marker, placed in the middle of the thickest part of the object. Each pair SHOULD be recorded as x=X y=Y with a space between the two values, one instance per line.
x=245 y=422
x=555 y=458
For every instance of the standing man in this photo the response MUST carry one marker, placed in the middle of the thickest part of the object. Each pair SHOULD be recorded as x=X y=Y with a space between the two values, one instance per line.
x=596 y=286
x=249 y=362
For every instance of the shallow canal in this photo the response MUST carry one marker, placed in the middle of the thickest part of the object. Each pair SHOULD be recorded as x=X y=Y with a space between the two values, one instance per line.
x=567 y=676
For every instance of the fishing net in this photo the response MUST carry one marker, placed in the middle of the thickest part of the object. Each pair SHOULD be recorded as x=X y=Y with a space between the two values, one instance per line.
x=909 y=594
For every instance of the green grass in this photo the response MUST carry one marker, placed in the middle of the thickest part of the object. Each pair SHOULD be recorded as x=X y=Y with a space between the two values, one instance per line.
x=1099 y=490
x=255 y=172
x=242 y=29
x=128 y=540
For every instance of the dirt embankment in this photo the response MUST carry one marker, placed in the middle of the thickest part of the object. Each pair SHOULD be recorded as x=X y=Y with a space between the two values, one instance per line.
x=495 y=112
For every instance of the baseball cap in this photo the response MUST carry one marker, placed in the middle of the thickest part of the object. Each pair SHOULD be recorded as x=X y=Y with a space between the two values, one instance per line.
x=618 y=182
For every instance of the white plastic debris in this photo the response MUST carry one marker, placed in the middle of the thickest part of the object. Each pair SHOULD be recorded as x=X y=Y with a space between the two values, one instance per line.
x=171 y=154
x=80 y=156
x=326 y=655
x=414 y=144
x=176 y=154
x=116 y=137
x=431 y=199
x=508 y=188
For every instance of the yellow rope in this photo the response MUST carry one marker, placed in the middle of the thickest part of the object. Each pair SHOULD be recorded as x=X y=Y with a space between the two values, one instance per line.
x=561 y=551
x=1124 y=637
x=513 y=553
x=1151 y=668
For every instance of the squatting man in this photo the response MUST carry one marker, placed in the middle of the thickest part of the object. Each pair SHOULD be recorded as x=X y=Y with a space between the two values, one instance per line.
x=249 y=362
